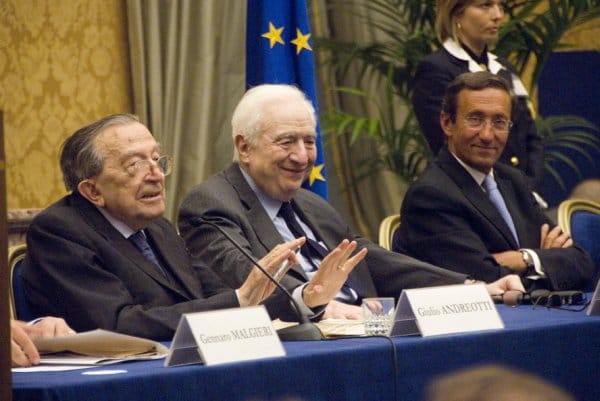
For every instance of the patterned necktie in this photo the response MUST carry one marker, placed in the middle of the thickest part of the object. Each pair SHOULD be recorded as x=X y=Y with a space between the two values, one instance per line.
x=496 y=197
x=311 y=248
x=139 y=240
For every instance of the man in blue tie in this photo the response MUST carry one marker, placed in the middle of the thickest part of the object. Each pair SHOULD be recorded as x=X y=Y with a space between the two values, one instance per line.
x=469 y=214
x=105 y=257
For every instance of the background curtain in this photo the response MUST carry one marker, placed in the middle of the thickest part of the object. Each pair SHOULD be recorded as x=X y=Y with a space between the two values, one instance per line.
x=187 y=61
x=366 y=202
x=188 y=66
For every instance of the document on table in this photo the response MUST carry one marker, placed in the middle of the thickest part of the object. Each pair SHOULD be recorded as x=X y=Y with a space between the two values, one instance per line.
x=95 y=348
x=331 y=327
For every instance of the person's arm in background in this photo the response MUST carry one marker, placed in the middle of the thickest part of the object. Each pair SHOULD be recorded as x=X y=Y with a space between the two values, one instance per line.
x=23 y=351
x=428 y=91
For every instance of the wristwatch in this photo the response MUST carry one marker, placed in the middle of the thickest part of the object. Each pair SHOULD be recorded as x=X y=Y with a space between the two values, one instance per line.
x=530 y=269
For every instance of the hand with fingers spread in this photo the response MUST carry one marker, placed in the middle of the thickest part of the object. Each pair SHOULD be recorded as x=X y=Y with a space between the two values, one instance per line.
x=554 y=238
x=257 y=286
x=332 y=274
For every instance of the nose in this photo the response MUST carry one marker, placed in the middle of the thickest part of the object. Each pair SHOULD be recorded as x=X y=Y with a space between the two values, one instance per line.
x=300 y=154
x=154 y=171
x=486 y=132
x=497 y=11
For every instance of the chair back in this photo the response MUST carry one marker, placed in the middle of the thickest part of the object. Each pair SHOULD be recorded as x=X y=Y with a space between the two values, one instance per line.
x=19 y=304
x=387 y=228
x=580 y=218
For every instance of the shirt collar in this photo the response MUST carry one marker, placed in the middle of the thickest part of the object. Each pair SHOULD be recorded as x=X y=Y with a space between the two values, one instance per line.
x=457 y=51
x=270 y=204
x=121 y=227
x=477 y=175
x=482 y=60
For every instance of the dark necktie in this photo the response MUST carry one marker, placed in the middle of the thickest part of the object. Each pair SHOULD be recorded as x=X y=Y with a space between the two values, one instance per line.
x=496 y=197
x=139 y=240
x=311 y=248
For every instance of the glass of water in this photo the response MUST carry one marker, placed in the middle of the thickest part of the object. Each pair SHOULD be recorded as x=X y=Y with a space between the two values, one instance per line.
x=378 y=315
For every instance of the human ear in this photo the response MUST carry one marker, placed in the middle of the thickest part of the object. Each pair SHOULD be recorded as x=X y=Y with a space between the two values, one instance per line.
x=243 y=148
x=446 y=124
x=88 y=189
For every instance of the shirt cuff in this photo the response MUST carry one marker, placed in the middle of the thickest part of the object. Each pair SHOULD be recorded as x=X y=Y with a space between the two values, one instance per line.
x=537 y=265
x=297 y=295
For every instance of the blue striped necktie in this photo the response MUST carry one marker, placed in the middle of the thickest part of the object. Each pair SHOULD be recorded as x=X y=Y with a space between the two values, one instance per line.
x=139 y=240
x=496 y=197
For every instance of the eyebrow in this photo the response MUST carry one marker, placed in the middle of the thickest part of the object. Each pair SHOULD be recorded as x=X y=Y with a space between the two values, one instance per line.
x=293 y=135
x=128 y=155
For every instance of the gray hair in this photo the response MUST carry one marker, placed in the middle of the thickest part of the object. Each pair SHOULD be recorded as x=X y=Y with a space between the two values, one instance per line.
x=249 y=115
x=79 y=159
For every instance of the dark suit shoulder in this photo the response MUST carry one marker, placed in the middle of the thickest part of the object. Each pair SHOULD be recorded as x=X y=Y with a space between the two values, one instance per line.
x=442 y=61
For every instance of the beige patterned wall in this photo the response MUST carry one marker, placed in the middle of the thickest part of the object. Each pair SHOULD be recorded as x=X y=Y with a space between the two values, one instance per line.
x=63 y=64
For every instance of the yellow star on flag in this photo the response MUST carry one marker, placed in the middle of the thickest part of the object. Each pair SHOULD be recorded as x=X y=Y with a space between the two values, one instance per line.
x=315 y=174
x=301 y=41
x=274 y=35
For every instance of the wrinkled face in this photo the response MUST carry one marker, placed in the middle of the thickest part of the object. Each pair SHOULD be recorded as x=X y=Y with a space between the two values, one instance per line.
x=479 y=23
x=480 y=147
x=133 y=195
x=285 y=151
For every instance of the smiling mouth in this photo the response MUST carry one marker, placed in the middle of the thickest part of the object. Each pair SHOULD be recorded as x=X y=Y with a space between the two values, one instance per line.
x=297 y=171
x=151 y=195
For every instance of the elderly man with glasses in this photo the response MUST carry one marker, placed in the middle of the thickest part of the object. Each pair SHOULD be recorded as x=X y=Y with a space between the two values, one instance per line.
x=105 y=257
x=472 y=215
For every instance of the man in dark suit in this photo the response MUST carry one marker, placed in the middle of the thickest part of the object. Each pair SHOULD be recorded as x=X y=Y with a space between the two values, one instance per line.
x=453 y=216
x=274 y=132
x=104 y=257
x=524 y=148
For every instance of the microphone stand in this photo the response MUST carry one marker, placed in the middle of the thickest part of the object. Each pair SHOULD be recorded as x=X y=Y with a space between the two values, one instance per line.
x=305 y=330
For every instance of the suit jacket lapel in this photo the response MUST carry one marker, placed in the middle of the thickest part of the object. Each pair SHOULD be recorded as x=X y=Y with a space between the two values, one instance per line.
x=265 y=230
x=357 y=277
x=97 y=221
x=176 y=264
x=475 y=194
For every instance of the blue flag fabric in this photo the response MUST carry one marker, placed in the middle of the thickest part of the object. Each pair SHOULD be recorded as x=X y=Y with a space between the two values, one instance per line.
x=278 y=50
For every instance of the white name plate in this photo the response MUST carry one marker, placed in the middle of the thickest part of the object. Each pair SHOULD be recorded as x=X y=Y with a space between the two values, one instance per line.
x=594 y=306
x=226 y=335
x=444 y=310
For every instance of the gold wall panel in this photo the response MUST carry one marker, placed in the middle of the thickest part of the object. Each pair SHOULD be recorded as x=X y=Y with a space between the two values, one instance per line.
x=63 y=64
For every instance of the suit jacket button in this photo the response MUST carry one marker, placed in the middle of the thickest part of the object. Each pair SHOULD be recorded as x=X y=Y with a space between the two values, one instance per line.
x=514 y=161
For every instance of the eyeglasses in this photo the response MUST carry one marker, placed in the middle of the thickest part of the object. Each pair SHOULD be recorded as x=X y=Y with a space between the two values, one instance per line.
x=499 y=124
x=143 y=167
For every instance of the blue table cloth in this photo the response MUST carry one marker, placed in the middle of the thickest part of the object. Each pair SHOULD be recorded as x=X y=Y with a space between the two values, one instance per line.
x=561 y=346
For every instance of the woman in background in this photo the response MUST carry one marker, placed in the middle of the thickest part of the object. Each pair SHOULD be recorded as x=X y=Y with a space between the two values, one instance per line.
x=465 y=29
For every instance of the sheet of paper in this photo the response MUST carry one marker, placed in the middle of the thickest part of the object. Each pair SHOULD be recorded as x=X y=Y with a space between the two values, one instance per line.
x=49 y=368
x=331 y=327
x=102 y=343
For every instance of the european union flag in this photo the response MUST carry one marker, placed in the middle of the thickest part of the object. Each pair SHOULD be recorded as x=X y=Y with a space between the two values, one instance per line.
x=278 y=50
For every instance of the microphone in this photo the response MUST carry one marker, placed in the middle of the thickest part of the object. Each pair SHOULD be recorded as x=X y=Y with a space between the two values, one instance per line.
x=542 y=297
x=305 y=330
x=515 y=297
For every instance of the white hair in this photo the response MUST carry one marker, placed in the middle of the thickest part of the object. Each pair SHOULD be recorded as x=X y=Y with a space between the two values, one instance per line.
x=248 y=117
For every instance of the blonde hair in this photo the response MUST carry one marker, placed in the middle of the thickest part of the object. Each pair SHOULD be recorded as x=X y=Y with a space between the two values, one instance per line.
x=446 y=12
